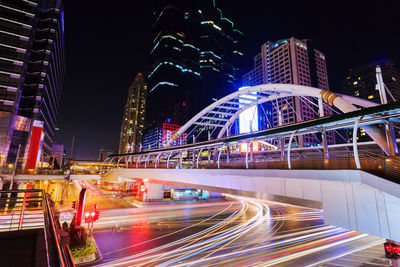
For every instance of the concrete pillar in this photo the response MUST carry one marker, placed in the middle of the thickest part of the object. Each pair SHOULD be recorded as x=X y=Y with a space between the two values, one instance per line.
x=154 y=192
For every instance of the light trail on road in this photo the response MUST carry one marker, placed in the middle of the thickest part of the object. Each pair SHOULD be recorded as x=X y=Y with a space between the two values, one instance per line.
x=251 y=232
x=125 y=217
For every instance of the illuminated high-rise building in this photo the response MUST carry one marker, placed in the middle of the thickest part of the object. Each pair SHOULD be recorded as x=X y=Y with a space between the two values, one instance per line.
x=32 y=70
x=195 y=57
x=158 y=135
x=134 y=117
x=361 y=82
x=290 y=61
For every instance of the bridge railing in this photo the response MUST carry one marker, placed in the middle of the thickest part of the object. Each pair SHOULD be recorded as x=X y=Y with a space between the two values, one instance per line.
x=371 y=161
x=21 y=210
x=46 y=171
x=31 y=209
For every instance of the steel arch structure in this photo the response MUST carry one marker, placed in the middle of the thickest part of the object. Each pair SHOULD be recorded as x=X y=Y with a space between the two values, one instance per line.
x=224 y=112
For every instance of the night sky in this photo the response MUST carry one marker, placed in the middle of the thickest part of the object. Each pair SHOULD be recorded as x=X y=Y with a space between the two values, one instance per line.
x=107 y=43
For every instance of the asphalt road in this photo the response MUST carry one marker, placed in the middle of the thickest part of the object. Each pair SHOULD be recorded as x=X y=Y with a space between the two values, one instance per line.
x=239 y=232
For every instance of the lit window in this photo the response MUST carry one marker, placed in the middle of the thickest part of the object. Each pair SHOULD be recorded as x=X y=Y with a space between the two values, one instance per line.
x=370 y=97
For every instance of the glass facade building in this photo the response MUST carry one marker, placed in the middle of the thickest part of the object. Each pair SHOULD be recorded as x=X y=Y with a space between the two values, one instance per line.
x=134 y=117
x=158 y=135
x=195 y=57
x=361 y=82
x=32 y=70
x=290 y=61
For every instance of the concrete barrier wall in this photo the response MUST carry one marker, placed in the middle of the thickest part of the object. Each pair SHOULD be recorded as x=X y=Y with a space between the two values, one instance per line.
x=352 y=199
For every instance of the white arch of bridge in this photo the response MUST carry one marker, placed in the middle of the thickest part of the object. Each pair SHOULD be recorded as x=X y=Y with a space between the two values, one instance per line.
x=231 y=107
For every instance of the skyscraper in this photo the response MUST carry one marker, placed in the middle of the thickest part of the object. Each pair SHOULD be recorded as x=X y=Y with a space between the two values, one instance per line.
x=290 y=61
x=195 y=57
x=362 y=82
x=134 y=116
x=32 y=70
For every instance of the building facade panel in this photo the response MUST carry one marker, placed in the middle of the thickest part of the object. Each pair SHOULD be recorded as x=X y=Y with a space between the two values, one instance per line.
x=32 y=70
x=133 y=121
x=361 y=82
x=290 y=61
x=195 y=58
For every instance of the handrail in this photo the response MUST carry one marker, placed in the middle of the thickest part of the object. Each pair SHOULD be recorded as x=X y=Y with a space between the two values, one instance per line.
x=64 y=260
x=38 y=216
x=371 y=161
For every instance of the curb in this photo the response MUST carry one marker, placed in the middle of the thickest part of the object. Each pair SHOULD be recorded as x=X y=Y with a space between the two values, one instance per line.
x=99 y=257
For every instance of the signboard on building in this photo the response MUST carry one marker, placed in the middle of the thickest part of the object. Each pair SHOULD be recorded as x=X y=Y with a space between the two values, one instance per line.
x=34 y=145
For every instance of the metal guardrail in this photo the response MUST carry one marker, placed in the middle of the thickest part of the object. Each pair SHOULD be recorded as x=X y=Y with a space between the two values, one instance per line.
x=53 y=229
x=45 y=171
x=21 y=210
x=371 y=161
x=31 y=209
